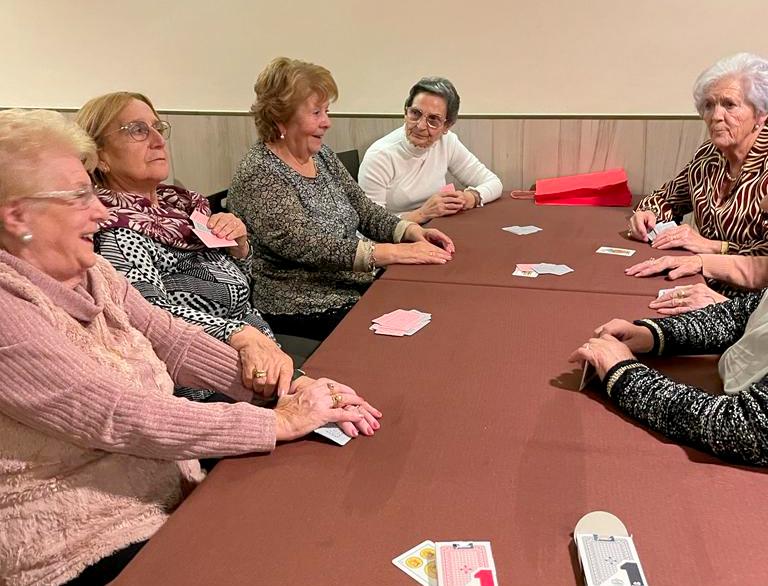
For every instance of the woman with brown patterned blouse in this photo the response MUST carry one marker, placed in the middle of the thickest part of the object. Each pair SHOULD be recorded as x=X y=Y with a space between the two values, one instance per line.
x=304 y=212
x=728 y=176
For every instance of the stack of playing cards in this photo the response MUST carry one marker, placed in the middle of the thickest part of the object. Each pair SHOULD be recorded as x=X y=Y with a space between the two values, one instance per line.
x=522 y=230
x=449 y=563
x=659 y=228
x=542 y=268
x=401 y=322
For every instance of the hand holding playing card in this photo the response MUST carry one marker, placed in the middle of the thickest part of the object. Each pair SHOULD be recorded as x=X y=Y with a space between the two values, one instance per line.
x=686 y=238
x=321 y=401
x=444 y=203
x=685 y=299
x=678 y=266
x=230 y=227
x=637 y=338
x=603 y=353
x=639 y=225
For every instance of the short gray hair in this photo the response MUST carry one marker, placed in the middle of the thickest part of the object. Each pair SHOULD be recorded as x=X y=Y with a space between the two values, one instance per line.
x=438 y=86
x=26 y=135
x=750 y=69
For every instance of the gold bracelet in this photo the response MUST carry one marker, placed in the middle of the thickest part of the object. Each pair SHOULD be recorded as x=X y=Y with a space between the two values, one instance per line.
x=724 y=245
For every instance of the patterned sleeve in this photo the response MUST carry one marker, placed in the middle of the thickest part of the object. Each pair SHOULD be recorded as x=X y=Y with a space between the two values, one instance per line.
x=671 y=201
x=709 y=330
x=753 y=248
x=127 y=252
x=733 y=427
x=375 y=222
x=277 y=221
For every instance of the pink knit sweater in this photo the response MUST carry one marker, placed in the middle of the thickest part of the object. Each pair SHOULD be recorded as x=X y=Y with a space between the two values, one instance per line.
x=94 y=447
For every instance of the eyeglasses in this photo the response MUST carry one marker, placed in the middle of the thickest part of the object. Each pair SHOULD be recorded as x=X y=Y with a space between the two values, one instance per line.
x=434 y=121
x=81 y=198
x=138 y=130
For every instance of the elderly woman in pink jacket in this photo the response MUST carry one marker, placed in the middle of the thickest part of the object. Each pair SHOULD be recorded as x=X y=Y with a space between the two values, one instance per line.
x=95 y=451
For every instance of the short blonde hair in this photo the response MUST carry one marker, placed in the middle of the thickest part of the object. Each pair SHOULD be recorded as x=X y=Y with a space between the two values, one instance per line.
x=282 y=87
x=26 y=136
x=98 y=113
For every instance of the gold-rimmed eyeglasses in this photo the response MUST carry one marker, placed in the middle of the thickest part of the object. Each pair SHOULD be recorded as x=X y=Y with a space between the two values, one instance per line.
x=434 y=121
x=139 y=130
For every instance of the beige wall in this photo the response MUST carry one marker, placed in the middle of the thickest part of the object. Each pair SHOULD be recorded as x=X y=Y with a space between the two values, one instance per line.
x=206 y=149
x=548 y=56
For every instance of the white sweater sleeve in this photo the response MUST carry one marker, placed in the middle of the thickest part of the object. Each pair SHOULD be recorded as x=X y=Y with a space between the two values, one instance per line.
x=376 y=175
x=468 y=169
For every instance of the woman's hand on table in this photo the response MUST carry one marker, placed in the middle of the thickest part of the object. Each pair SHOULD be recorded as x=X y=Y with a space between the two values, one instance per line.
x=416 y=233
x=686 y=238
x=637 y=338
x=445 y=203
x=265 y=368
x=410 y=253
x=313 y=403
x=603 y=353
x=687 y=298
x=640 y=224
x=229 y=226
x=678 y=266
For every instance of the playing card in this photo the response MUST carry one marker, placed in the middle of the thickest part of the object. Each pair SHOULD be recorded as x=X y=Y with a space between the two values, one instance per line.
x=659 y=228
x=419 y=563
x=588 y=374
x=545 y=268
x=665 y=291
x=522 y=230
x=447 y=188
x=617 y=251
x=518 y=272
x=333 y=433
x=465 y=563
x=200 y=223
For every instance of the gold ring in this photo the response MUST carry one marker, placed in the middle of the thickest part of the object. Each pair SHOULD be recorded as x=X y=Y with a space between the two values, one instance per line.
x=679 y=294
x=337 y=398
x=259 y=373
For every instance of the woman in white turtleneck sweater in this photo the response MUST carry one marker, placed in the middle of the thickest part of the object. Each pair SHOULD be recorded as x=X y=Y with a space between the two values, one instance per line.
x=405 y=171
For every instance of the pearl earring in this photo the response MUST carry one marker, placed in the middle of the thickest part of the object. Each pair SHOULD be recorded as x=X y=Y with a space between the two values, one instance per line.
x=26 y=238
x=282 y=136
x=756 y=128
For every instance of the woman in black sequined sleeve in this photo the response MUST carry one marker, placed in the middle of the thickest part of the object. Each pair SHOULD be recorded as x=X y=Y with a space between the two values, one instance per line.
x=733 y=425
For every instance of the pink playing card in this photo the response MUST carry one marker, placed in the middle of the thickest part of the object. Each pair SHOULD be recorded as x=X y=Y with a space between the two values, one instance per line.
x=200 y=223
x=463 y=563
x=446 y=188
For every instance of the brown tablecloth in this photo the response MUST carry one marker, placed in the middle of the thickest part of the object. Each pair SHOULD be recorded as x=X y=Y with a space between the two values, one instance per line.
x=487 y=255
x=484 y=437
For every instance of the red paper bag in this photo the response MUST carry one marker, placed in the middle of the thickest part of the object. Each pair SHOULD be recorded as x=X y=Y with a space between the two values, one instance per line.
x=604 y=188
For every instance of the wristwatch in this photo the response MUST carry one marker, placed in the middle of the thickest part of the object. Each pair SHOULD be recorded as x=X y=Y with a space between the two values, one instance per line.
x=478 y=199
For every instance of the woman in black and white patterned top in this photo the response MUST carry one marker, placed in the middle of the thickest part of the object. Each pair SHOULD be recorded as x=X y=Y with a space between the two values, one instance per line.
x=148 y=238
x=304 y=211
x=733 y=425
